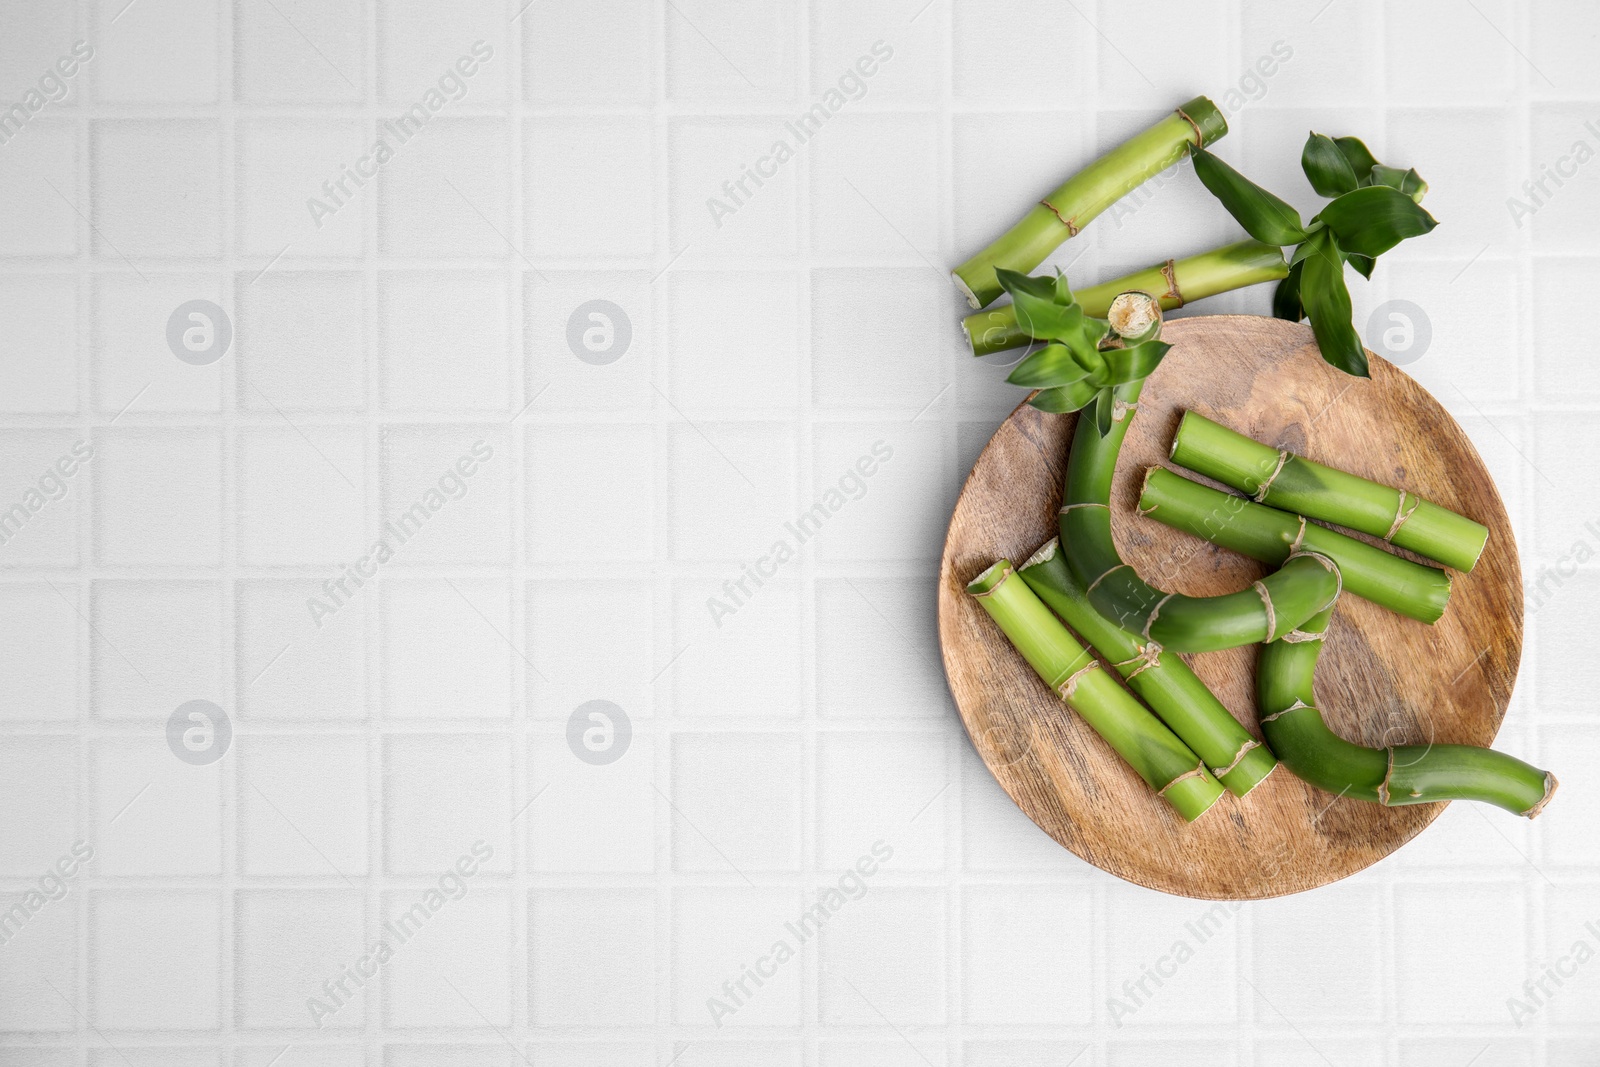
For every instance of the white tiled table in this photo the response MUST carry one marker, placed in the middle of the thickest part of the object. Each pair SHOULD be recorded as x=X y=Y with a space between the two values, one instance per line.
x=775 y=739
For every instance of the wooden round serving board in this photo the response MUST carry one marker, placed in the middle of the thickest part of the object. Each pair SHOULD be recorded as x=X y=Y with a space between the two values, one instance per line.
x=1383 y=679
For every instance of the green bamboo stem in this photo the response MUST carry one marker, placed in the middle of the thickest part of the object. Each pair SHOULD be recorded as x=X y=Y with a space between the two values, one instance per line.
x=1296 y=484
x=1305 y=584
x=1271 y=536
x=1152 y=750
x=1160 y=678
x=1174 y=283
x=1394 y=776
x=1067 y=210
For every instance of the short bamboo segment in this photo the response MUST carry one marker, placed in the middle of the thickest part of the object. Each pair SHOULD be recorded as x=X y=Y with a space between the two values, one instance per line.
x=1272 y=536
x=1079 y=199
x=1307 y=488
x=1160 y=678
x=1265 y=611
x=1394 y=776
x=1174 y=283
x=1152 y=750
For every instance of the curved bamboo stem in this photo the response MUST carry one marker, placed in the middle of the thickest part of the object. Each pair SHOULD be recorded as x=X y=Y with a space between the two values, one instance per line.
x=1296 y=484
x=1174 y=283
x=1066 y=211
x=1395 y=776
x=1269 y=535
x=1270 y=608
x=1160 y=678
x=1153 y=751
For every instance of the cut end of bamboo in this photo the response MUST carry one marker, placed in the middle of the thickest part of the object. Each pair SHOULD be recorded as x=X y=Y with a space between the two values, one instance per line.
x=966 y=291
x=1135 y=316
x=1043 y=554
x=990 y=579
x=1551 y=784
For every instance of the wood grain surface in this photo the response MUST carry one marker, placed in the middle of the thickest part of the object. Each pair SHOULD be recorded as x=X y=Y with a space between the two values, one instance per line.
x=1383 y=679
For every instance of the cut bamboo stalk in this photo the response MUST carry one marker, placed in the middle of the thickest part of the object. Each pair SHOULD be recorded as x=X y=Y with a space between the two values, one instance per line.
x=1071 y=671
x=1271 y=536
x=1296 y=484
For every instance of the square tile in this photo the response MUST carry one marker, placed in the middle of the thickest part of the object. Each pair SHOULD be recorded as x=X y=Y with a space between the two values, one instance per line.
x=1561 y=520
x=302 y=647
x=294 y=193
x=881 y=490
x=736 y=802
x=603 y=53
x=596 y=487
x=868 y=947
x=1194 y=48
x=1028 y=956
x=1468 y=927
x=430 y=205
x=733 y=639
x=303 y=804
x=1559 y=209
x=1196 y=941
x=908 y=338
x=1561 y=373
x=420 y=46
x=168 y=54
x=39 y=352
x=590 y=185
x=587 y=818
x=41 y=221
x=592 y=957
x=589 y=342
x=446 y=340
x=592 y=637
x=718 y=210
x=41 y=486
x=158 y=497
x=1554 y=37
x=877 y=651
x=716 y=934
x=136 y=369
x=304 y=52
x=1464 y=60
x=39 y=953
x=296 y=952
x=441 y=795
x=37 y=41
x=1562 y=827
x=900 y=61
x=1288 y=932
x=447 y=493
x=742 y=473
x=882 y=787
x=154 y=814
x=875 y=187
x=1463 y=355
x=45 y=638
x=1015 y=57
x=721 y=54
x=302 y=343
x=457 y=935
x=447 y=649
x=154 y=959
x=154 y=645
x=38 y=793
x=157 y=188
x=286 y=474
x=1314 y=68
x=712 y=360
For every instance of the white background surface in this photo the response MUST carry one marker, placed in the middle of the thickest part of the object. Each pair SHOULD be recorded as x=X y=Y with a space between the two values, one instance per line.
x=767 y=354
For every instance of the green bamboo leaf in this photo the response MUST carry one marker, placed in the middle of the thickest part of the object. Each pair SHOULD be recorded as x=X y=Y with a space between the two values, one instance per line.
x=1105 y=407
x=1065 y=398
x=1362 y=264
x=1052 y=365
x=1286 y=297
x=1127 y=365
x=1263 y=216
x=1370 y=221
x=1063 y=292
x=1361 y=161
x=1014 y=282
x=1327 y=305
x=1327 y=168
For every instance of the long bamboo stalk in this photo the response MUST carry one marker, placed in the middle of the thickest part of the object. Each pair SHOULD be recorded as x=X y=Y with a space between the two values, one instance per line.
x=1270 y=608
x=1271 y=536
x=1394 y=776
x=1074 y=203
x=1296 y=484
x=1153 y=751
x=1174 y=283
x=1160 y=678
